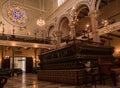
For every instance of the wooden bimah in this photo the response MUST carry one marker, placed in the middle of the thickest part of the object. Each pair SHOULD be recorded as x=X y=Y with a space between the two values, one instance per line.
x=69 y=64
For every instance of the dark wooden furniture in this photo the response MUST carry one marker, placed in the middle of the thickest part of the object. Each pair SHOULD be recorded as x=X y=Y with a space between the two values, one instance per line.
x=67 y=64
x=116 y=73
x=107 y=72
x=5 y=72
x=92 y=77
x=116 y=70
x=3 y=81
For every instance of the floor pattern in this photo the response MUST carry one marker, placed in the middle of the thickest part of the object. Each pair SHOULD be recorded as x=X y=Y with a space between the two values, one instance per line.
x=30 y=81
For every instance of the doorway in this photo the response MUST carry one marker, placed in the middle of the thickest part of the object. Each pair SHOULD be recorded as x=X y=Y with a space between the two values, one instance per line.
x=19 y=63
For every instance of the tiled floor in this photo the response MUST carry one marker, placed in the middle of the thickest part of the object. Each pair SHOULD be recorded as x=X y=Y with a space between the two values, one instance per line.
x=30 y=81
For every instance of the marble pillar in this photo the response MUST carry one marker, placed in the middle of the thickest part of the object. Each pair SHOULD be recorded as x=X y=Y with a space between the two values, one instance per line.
x=13 y=56
x=72 y=32
x=94 y=23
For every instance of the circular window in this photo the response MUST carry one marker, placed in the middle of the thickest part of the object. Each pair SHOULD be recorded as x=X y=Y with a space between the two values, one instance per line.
x=17 y=14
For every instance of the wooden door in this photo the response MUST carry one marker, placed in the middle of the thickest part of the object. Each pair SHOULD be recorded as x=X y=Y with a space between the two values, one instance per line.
x=29 y=64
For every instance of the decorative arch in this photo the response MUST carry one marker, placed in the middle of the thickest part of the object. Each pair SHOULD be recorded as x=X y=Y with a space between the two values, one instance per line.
x=80 y=12
x=64 y=26
x=83 y=3
x=62 y=22
x=52 y=34
x=80 y=8
x=90 y=4
x=60 y=19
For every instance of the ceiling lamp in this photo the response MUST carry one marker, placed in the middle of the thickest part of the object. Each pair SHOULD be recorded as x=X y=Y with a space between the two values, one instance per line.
x=40 y=22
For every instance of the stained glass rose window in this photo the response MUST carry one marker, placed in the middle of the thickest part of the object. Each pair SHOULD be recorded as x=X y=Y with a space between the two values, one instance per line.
x=17 y=14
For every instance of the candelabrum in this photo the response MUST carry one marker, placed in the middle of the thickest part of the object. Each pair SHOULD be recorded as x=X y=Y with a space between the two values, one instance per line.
x=86 y=32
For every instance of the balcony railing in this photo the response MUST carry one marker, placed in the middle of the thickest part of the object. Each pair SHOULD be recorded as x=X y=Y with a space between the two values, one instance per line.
x=23 y=39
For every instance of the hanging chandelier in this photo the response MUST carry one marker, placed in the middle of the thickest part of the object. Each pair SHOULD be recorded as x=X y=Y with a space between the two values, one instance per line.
x=40 y=22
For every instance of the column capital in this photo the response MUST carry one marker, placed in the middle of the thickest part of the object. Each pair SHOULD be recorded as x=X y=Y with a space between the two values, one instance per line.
x=93 y=13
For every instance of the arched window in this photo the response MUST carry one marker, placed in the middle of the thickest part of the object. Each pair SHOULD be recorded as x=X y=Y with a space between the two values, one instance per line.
x=60 y=2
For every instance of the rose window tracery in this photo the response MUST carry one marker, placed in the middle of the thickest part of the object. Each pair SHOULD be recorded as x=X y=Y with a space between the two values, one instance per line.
x=17 y=14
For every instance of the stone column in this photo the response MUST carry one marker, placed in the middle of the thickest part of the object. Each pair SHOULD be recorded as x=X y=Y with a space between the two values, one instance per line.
x=58 y=35
x=13 y=55
x=73 y=21
x=35 y=54
x=72 y=32
x=94 y=23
